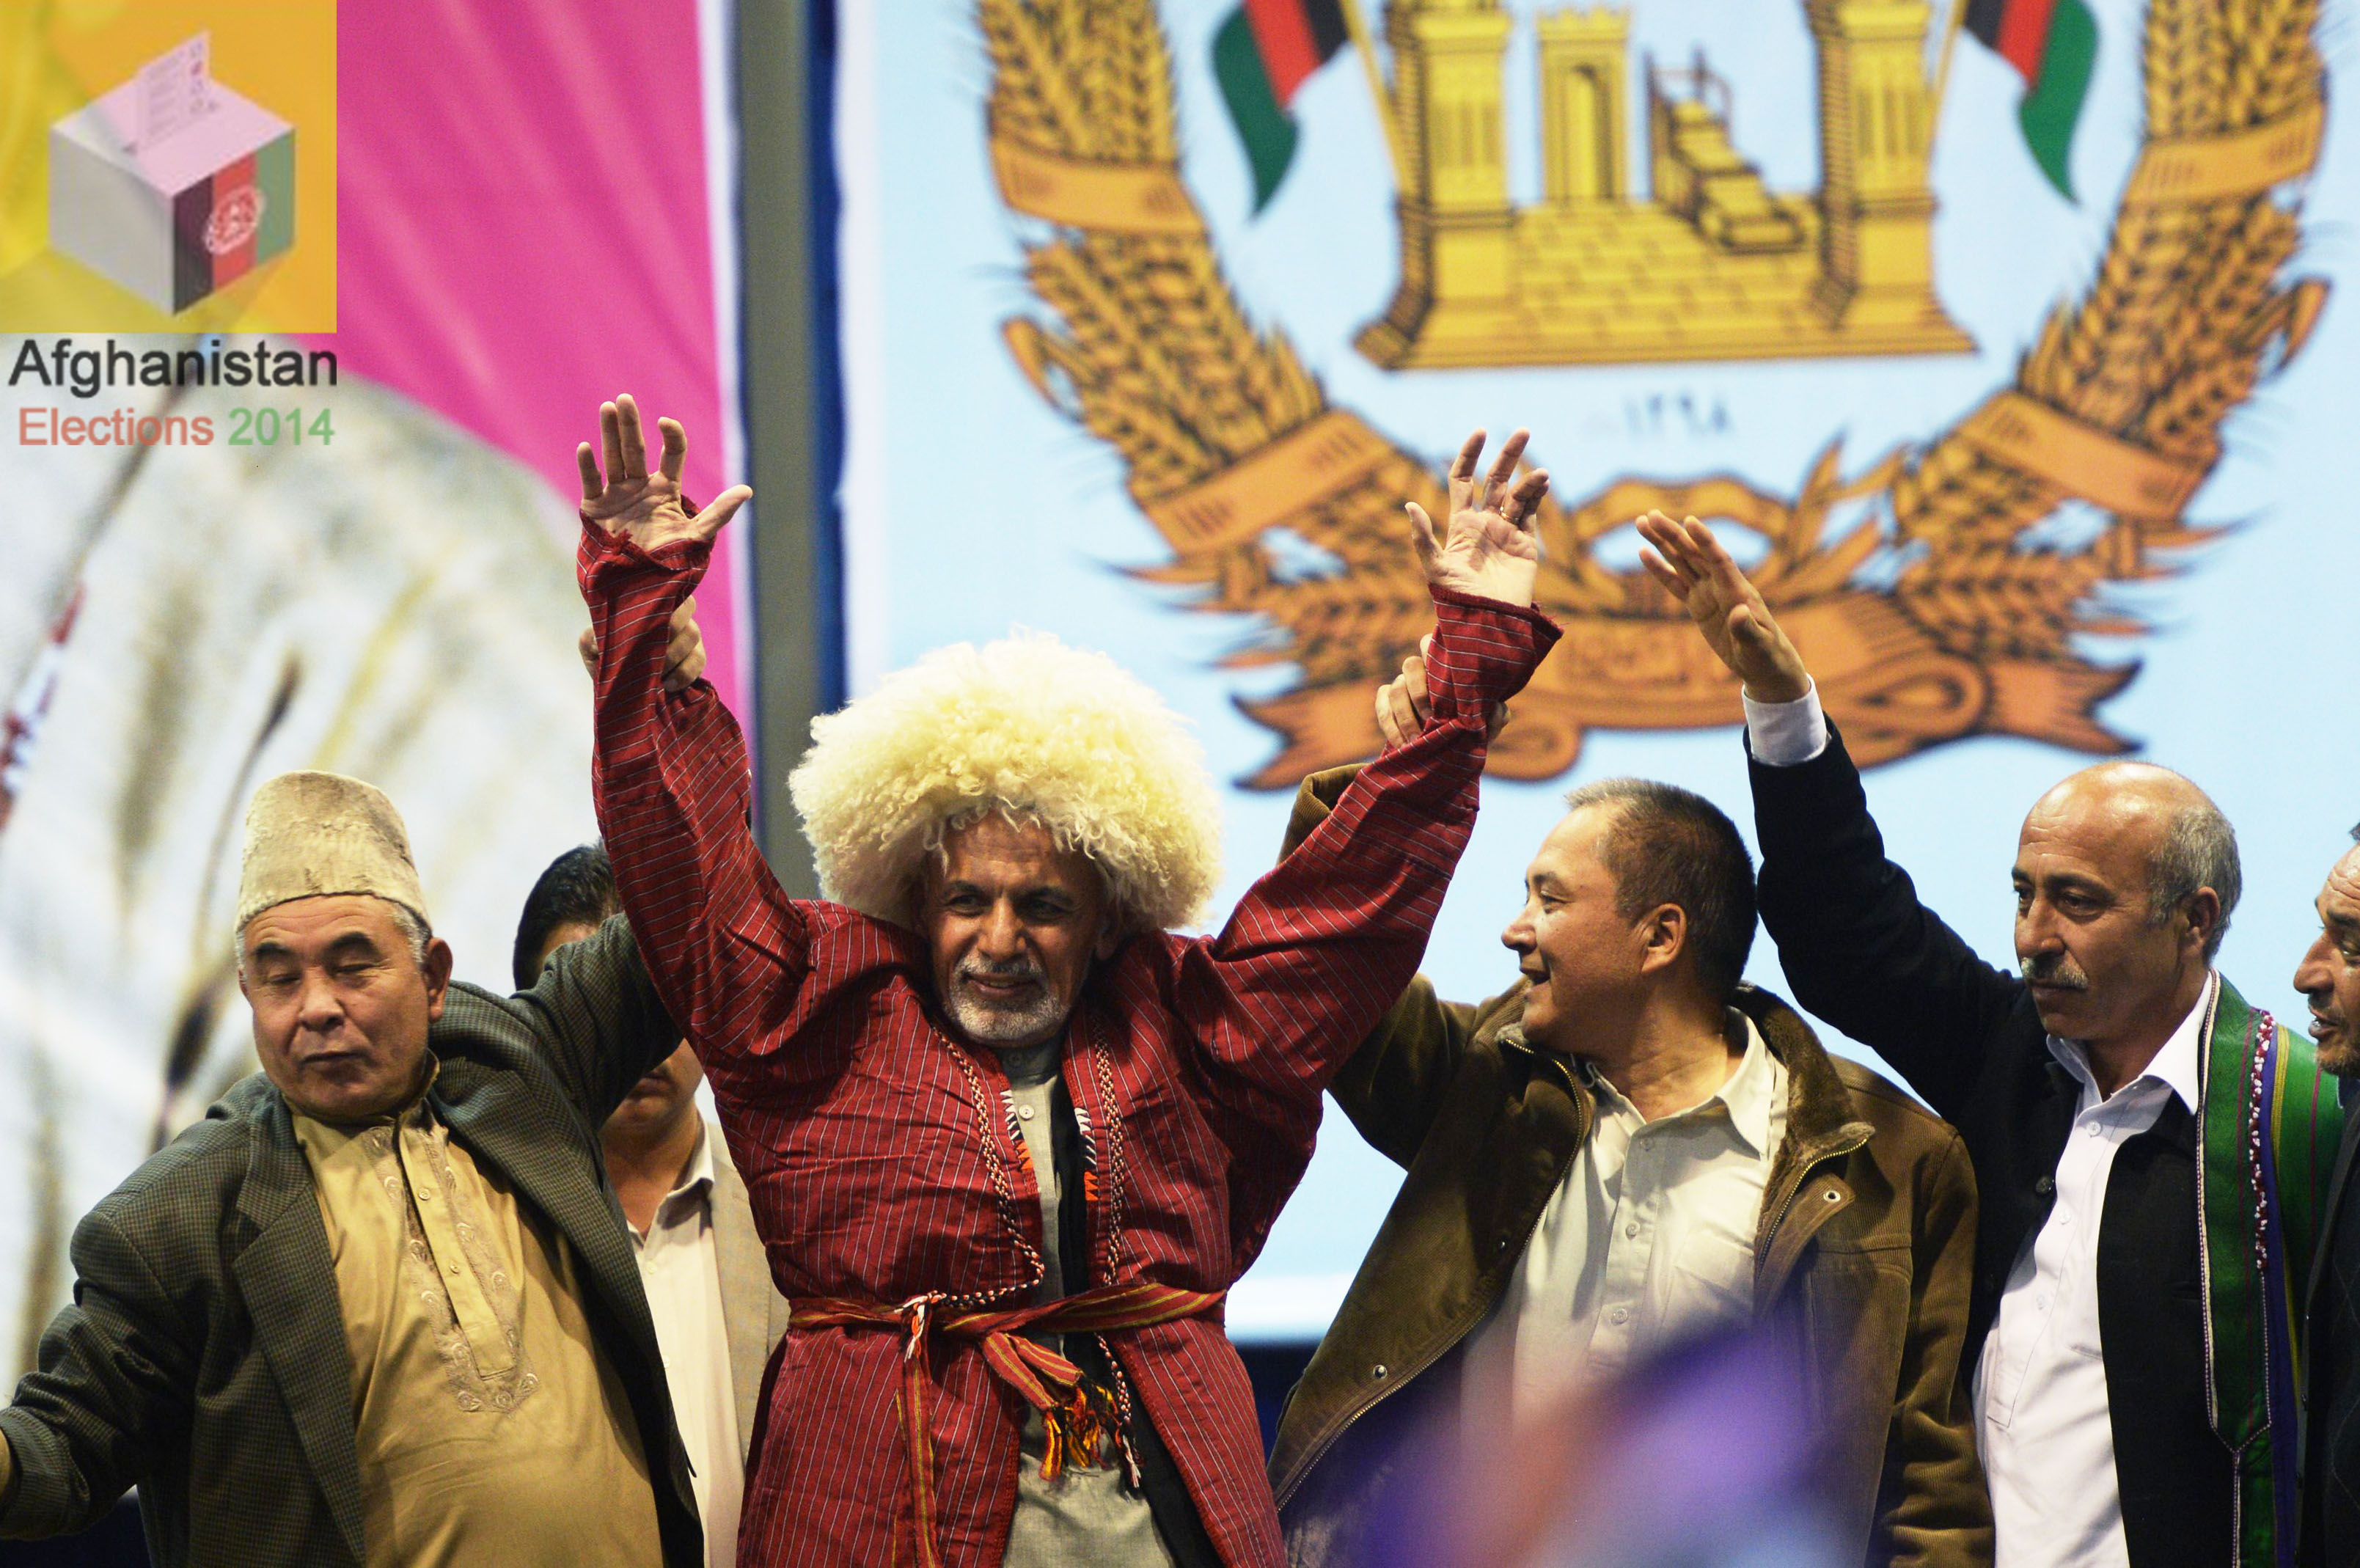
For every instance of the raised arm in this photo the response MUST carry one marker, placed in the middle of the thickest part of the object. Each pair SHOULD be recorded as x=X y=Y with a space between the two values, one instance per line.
x=1393 y=1084
x=725 y=947
x=1323 y=944
x=1857 y=945
x=594 y=1014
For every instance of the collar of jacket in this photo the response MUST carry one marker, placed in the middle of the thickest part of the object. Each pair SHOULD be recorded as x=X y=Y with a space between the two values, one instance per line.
x=1821 y=1129
x=1801 y=1196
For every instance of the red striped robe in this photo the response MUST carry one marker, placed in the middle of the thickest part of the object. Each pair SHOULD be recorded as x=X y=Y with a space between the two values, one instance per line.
x=868 y=1158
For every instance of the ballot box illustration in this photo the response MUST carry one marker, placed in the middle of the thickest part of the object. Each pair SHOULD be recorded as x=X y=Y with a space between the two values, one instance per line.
x=172 y=185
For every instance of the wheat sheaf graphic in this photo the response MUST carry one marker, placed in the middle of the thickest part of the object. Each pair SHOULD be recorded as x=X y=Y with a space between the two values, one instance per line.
x=1937 y=612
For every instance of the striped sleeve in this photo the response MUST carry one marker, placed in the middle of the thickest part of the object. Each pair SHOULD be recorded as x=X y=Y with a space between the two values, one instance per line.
x=674 y=793
x=1321 y=946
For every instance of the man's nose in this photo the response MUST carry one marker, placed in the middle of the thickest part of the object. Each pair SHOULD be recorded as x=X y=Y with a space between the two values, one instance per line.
x=1518 y=936
x=1003 y=936
x=2035 y=930
x=2313 y=976
x=318 y=1008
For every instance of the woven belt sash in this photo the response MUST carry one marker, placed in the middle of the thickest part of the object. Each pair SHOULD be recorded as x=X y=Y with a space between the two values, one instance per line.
x=1049 y=1384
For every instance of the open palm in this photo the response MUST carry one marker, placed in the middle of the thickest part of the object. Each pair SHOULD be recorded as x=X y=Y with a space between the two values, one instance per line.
x=1697 y=571
x=646 y=507
x=1491 y=549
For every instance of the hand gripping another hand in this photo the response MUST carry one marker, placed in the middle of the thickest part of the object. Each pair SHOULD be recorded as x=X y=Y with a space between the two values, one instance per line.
x=683 y=655
x=650 y=510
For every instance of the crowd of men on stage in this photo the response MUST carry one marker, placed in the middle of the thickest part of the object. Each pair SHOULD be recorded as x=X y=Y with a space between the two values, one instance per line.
x=463 y=1279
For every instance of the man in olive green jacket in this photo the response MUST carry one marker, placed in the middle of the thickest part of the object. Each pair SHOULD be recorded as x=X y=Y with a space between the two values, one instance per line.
x=1859 y=1250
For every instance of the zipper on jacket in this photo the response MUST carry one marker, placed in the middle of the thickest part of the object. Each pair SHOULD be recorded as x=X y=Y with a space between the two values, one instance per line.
x=1402 y=1376
x=1770 y=1237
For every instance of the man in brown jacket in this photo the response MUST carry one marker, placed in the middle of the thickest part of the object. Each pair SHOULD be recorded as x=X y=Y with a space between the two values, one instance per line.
x=1626 y=1149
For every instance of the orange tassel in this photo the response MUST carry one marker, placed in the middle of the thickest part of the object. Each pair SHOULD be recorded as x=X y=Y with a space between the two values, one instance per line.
x=1076 y=1435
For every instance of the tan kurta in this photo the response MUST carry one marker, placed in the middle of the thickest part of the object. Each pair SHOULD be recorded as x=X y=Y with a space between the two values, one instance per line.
x=490 y=1430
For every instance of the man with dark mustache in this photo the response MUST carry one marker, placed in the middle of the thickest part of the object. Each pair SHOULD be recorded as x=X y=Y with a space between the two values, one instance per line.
x=2330 y=977
x=2150 y=1150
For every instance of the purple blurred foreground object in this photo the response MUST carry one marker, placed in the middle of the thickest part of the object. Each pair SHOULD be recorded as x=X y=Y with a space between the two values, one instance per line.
x=1692 y=1460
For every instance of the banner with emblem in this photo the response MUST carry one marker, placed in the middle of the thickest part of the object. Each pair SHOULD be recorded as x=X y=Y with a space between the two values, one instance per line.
x=1999 y=336
x=303 y=313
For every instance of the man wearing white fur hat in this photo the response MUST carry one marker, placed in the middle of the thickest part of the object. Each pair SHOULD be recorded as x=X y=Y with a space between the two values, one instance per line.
x=377 y=1308
x=1008 y=1139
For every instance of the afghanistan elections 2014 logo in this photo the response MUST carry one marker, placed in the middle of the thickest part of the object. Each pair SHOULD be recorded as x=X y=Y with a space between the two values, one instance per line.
x=1949 y=613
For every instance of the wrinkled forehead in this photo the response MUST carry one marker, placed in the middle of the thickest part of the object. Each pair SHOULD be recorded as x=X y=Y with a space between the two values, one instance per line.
x=1000 y=851
x=2342 y=893
x=305 y=926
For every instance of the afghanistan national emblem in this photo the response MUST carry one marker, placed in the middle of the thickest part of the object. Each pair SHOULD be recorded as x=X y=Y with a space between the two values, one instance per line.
x=1947 y=610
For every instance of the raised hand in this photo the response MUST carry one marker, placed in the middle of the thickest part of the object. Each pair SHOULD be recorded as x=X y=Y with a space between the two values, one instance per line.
x=1695 y=569
x=1491 y=549
x=646 y=507
x=683 y=655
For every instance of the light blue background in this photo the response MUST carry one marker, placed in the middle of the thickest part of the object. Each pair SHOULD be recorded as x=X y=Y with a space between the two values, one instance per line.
x=992 y=509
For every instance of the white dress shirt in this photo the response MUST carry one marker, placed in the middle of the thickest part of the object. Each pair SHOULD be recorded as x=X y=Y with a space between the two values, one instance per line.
x=681 y=1273
x=2042 y=1417
x=1648 y=1238
x=2043 y=1420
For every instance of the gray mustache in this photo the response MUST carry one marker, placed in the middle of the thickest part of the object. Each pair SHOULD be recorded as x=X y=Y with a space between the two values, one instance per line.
x=1015 y=968
x=2060 y=971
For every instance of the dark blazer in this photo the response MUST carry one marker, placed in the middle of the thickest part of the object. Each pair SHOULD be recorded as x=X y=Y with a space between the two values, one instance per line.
x=2330 y=1461
x=1862 y=952
x=204 y=1359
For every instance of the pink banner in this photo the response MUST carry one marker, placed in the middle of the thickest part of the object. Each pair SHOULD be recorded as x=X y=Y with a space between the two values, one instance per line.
x=527 y=228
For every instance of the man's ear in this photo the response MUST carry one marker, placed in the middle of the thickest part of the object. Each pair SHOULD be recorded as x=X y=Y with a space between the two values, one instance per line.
x=2201 y=910
x=438 y=977
x=1663 y=937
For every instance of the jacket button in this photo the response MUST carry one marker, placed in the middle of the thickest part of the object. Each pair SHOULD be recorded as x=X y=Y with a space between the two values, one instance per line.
x=1503 y=1243
x=1379 y=1371
x=1832 y=1196
x=2045 y=1186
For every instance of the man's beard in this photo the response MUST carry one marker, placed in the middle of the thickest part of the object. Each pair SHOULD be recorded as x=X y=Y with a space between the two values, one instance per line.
x=2340 y=1052
x=998 y=1025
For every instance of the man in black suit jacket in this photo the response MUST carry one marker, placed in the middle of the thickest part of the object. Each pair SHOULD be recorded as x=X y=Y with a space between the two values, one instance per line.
x=378 y=1307
x=2330 y=977
x=2084 y=1090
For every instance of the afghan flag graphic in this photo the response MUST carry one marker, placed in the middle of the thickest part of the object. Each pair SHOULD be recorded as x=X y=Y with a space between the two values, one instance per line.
x=1262 y=54
x=2052 y=44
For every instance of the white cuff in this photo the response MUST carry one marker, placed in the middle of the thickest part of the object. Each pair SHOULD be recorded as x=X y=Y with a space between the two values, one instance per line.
x=1787 y=734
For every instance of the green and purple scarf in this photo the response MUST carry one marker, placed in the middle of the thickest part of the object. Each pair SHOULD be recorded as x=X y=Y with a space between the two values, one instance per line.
x=2271 y=1121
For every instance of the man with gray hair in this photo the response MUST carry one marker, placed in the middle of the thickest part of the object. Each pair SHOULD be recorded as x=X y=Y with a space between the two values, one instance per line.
x=2151 y=1150
x=378 y=1309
